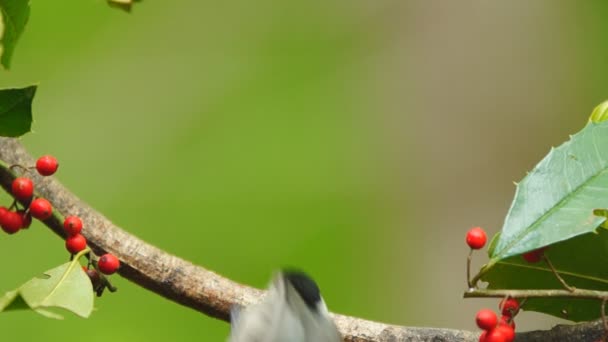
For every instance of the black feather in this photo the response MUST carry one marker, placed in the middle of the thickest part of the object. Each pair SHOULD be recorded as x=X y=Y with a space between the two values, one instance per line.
x=305 y=286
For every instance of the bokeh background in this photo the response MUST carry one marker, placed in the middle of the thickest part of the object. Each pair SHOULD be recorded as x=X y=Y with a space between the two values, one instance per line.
x=357 y=140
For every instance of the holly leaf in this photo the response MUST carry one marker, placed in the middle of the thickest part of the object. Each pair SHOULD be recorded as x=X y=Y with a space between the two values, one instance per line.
x=555 y=201
x=13 y=17
x=66 y=287
x=580 y=261
x=16 y=111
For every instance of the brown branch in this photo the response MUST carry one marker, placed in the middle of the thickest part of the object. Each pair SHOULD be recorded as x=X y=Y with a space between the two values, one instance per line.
x=205 y=291
x=540 y=293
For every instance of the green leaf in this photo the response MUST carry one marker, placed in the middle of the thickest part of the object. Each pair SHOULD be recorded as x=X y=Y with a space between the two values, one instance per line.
x=600 y=113
x=580 y=261
x=16 y=111
x=66 y=287
x=555 y=201
x=13 y=17
x=12 y=301
x=492 y=244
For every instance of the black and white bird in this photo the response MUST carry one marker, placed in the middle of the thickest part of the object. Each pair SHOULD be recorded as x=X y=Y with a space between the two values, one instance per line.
x=292 y=311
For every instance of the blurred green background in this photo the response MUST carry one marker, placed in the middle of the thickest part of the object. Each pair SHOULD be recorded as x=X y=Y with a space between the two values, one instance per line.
x=357 y=140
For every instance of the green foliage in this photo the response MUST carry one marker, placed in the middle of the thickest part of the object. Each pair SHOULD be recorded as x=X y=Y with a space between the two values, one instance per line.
x=580 y=261
x=16 y=111
x=555 y=201
x=559 y=203
x=67 y=287
x=600 y=113
x=13 y=17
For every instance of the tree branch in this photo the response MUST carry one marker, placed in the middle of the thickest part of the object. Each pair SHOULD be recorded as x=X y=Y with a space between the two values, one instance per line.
x=205 y=291
x=540 y=293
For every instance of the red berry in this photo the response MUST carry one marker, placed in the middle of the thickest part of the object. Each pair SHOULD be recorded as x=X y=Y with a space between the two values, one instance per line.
x=501 y=333
x=75 y=243
x=534 y=256
x=11 y=222
x=108 y=264
x=482 y=337
x=496 y=335
x=72 y=225
x=46 y=165
x=486 y=319
x=41 y=209
x=476 y=238
x=507 y=320
x=23 y=188
x=3 y=211
x=26 y=218
x=509 y=307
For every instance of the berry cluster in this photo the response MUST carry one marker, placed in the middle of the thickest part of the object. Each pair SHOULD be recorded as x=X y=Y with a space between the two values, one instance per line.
x=494 y=329
x=498 y=330
x=27 y=205
x=13 y=219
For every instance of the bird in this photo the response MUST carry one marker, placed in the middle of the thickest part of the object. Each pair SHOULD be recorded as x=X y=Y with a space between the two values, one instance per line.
x=293 y=310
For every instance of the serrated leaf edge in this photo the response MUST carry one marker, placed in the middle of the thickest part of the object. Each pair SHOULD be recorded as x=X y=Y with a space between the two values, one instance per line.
x=497 y=256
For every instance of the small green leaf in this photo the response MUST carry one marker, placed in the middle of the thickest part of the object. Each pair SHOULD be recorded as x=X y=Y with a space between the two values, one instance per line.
x=67 y=287
x=580 y=261
x=600 y=113
x=555 y=201
x=13 y=17
x=16 y=111
x=12 y=301
x=492 y=244
x=48 y=314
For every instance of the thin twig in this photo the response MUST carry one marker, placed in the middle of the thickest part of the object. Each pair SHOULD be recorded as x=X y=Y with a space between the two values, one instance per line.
x=542 y=293
x=561 y=280
x=469 y=257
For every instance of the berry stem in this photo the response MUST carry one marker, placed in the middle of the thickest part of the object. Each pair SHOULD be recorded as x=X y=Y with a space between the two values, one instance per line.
x=469 y=258
x=13 y=205
x=81 y=253
x=89 y=260
x=14 y=166
x=73 y=264
x=109 y=285
x=522 y=302
x=561 y=280
x=482 y=271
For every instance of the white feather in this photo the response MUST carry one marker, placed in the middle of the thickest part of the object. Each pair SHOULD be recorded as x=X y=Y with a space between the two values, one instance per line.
x=282 y=316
